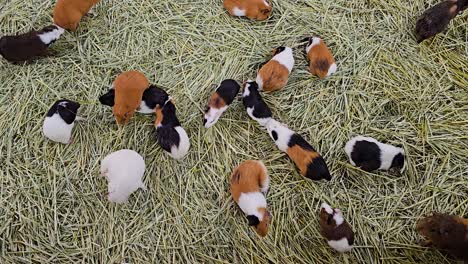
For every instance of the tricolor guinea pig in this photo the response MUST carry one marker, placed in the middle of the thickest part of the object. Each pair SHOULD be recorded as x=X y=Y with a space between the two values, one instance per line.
x=437 y=18
x=28 y=46
x=124 y=171
x=256 y=108
x=171 y=135
x=60 y=120
x=446 y=232
x=249 y=183
x=68 y=13
x=370 y=154
x=253 y=9
x=307 y=159
x=220 y=101
x=321 y=59
x=335 y=229
x=274 y=74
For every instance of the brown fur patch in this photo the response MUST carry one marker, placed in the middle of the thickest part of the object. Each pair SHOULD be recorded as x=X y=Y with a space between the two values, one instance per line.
x=249 y=176
x=254 y=9
x=159 y=116
x=302 y=158
x=68 y=13
x=330 y=231
x=274 y=76
x=216 y=101
x=320 y=59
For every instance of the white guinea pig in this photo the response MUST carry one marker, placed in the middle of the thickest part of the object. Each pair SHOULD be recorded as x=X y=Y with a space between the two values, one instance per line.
x=124 y=171
x=60 y=120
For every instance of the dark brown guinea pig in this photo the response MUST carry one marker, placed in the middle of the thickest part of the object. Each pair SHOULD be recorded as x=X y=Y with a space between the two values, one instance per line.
x=335 y=229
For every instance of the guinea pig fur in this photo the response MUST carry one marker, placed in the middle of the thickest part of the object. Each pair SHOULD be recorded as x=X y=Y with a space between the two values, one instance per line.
x=369 y=154
x=129 y=88
x=321 y=59
x=274 y=74
x=28 y=46
x=307 y=159
x=171 y=136
x=249 y=183
x=60 y=120
x=68 y=13
x=253 y=9
x=124 y=171
x=256 y=108
x=335 y=229
x=220 y=101
x=446 y=232
x=437 y=18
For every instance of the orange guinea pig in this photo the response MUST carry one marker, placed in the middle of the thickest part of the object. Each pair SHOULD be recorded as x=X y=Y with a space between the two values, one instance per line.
x=129 y=87
x=321 y=59
x=253 y=9
x=68 y=13
x=249 y=183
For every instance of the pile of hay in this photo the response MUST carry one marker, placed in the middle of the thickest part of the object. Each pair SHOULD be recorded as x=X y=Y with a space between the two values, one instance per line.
x=52 y=204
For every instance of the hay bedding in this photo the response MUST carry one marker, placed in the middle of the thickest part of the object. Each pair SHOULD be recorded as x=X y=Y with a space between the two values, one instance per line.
x=52 y=204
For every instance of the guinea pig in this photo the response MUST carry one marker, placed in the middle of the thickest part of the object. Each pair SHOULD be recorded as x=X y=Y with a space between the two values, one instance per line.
x=335 y=229
x=28 y=46
x=307 y=159
x=257 y=109
x=446 y=232
x=60 y=120
x=321 y=59
x=274 y=74
x=68 y=13
x=171 y=136
x=437 y=18
x=253 y=9
x=369 y=154
x=249 y=183
x=220 y=101
x=124 y=171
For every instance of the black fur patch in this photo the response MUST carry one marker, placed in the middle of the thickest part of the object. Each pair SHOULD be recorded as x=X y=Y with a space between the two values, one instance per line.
x=66 y=109
x=321 y=64
x=228 y=90
x=154 y=95
x=169 y=115
x=297 y=139
x=255 y=100
x=167 y=137
x=318 y=170
x=253 y=220
x=108 y=98
x=274 y=135
x=434 y=20
x=366 y=155
x=22 y=47
x=398 y=161
x=279 y=50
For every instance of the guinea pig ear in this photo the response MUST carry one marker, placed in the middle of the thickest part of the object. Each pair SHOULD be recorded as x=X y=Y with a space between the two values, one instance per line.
x=253 y=220
x=265 y=11
x=108 y=98
x=274 y=134
x=66 y=114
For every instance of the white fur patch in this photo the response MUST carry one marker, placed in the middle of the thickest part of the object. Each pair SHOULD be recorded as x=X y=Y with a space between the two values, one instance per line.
x=283 y=132
x=338 y=217
x=124 y=170
x=184 y=144
x=315 y=42
x=250 y=202
x=261 y=121
x=341 y=245
x=145 y=109
x=213 y=115
x=327 y=208
x=285 y=58
x=259 y=81
x=246 y=88
x=56 y=129
x=238 y=12
x=266 y=3
x=50 y=36
x=332 y=69
x=266 y=183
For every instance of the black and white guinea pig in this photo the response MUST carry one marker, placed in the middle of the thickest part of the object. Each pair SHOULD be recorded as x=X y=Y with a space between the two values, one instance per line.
x=152 y=96
x=28 y=46
x=60 y=120
x=370 y=154
x=256 y=108
x=220 y=101
x=335 y=229
x=171 y=135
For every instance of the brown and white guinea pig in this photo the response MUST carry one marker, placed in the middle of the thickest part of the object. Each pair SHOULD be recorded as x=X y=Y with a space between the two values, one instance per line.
x=28 y=46
x=253 y=9
x=249 y=183
x=437 y=18
x=310 y=163
x=152 y=96
x=68 y=13
x=256 y=108
x=321 y=59
x=446 y=232
x=370 y=154
x=60 y=121
x=335 y=229
x=274 y=74
x=171 y=135
x=220 y=101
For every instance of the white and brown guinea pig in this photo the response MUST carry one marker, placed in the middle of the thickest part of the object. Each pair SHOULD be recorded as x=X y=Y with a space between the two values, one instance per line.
x=310 y=163
x=253 y=9
x=249 y=183
x=256 y=108
x=321 y=59
x=445 y=232
x=68 y=13
x=335 y=229
x=124 y=171
x=220 y=101
x=274 y=74
x=171 y=135
x=370 y=154
x=60 y=121
x=28 y=46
